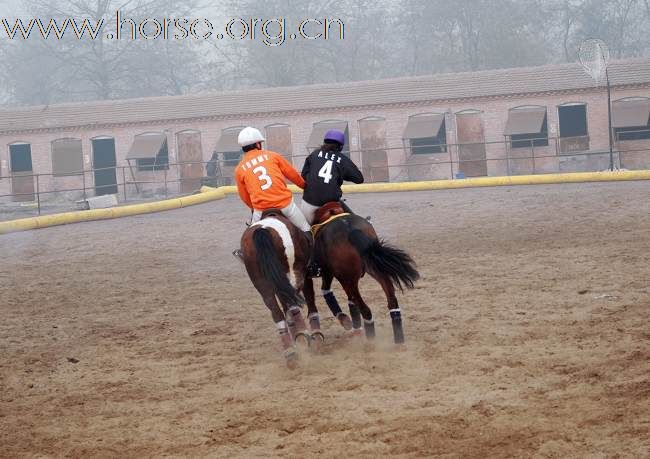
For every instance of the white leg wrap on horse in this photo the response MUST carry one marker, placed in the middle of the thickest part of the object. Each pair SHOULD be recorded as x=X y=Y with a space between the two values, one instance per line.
x=312 y=315
x=371 y=321
x=282 y=325
x=325 y=292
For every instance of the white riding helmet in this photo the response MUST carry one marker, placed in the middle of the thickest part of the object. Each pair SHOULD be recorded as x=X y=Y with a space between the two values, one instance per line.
x=249 y=136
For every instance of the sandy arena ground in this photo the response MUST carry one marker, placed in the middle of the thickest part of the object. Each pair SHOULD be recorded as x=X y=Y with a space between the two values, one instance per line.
x=528 y=336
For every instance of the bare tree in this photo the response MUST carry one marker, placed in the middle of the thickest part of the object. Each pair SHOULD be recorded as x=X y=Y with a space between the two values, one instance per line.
x=70 y=68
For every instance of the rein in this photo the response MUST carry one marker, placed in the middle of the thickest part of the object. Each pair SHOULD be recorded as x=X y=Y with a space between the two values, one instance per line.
x=316 y=228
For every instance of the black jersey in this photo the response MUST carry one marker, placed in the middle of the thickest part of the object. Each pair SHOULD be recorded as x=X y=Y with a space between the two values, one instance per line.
x=324 y=173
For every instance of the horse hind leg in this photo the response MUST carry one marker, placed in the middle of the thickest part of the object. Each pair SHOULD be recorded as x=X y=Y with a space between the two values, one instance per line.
x=289 y=350
x=393 y=308
x=358 y=310
x=298 y=327
x=317 y=337
x=332 y=303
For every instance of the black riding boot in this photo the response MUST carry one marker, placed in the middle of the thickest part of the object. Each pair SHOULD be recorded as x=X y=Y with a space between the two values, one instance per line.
x=313 y=269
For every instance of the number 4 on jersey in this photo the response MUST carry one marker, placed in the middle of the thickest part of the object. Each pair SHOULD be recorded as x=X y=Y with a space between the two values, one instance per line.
x=326 y=171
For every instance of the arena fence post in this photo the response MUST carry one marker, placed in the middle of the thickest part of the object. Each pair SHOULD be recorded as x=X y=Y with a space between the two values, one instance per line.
x=532 y=155
x=451 y=161
x=38 y=195
x=83 y=179
x=124 y=182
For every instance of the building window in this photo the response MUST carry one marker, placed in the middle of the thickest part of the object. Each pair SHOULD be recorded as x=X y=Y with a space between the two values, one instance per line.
x=149 y=152
x=573 y=120
x=426 y=134
x=158 y=163
x=373 y=146
x=20 y=157
x=631 y=119
x=428 y=145
x=632 y=133
x=67 y=157
x=228 y=147
x=527 y=127
x=231 y=158
x=318 y=132
x=278 y=139
x=573 y=128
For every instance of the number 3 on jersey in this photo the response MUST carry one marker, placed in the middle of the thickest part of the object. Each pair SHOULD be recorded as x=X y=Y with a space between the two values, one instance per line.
x=326 y=171
x=260 y=171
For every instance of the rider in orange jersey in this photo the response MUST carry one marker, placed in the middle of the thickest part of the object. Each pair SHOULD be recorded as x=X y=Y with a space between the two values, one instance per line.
x=261 y=181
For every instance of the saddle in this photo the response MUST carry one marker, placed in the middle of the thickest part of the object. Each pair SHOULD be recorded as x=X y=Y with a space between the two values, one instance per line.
x=271 y=213
x=327 y=211
x=325 y=214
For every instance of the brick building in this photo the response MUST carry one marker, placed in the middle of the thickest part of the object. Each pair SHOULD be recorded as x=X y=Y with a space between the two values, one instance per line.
x=498 y=122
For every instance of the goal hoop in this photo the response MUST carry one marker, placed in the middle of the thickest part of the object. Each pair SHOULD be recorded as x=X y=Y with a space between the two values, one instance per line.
x=594 y=56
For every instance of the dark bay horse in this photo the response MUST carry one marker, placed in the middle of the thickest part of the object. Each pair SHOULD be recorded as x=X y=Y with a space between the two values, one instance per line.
x=347 y=247
x=276 y=254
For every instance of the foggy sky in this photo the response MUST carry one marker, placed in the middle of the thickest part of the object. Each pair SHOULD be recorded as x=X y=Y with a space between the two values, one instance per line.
x=383 y=38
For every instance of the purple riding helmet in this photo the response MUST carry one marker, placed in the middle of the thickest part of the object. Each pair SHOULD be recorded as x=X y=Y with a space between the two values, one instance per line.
x=336 y=136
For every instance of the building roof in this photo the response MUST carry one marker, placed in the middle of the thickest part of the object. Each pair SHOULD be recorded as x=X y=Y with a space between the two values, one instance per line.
x=438 y=87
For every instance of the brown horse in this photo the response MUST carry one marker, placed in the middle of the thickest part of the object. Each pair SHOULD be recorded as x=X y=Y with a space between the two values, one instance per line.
x=276 y=255
x=347 y=247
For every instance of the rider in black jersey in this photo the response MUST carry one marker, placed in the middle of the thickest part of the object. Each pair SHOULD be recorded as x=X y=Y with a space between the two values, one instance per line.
x=324 y=172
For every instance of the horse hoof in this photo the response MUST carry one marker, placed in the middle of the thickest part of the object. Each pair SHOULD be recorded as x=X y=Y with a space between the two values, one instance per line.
x=303 y=340
x=292 y=360
x=357 y=333
x=345 y=321
x=317 y=342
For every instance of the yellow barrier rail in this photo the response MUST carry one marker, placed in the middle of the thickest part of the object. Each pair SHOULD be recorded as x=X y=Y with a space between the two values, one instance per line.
x=206 y=195
x=211 y=194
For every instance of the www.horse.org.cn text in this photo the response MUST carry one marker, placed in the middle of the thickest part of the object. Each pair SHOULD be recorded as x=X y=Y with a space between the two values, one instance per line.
x=271 y=32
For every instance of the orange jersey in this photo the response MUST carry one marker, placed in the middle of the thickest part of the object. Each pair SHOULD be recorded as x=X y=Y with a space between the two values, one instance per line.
x=261 y=180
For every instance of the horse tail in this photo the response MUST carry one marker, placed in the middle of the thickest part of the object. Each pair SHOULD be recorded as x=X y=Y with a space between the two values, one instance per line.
x=382 y=258
x=272 y=269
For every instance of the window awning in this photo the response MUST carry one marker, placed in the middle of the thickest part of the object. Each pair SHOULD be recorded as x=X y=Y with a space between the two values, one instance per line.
x=630 y=113
x=319 y=130
x=423 y=126
x=228 y=141
x=146 y=146
x=66 y=156
x=525 y=121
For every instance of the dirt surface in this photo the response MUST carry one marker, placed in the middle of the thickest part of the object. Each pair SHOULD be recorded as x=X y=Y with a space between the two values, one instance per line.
x=528 y=336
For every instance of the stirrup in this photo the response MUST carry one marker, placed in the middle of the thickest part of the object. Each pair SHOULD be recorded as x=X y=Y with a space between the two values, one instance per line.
x=238 y=254
x=313 y=270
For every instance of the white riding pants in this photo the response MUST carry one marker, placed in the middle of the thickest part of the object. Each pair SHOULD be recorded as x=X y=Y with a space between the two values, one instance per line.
x=308 y=210
x=291 y=212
